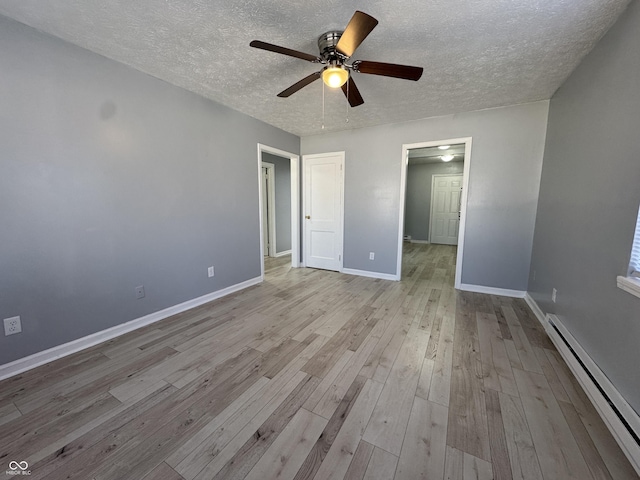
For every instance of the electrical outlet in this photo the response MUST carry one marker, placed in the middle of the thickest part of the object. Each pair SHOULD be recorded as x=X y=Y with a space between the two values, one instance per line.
x=210 y=272
x=372 y=256
x=140 y=292
x=12 y=326
x=554 y=293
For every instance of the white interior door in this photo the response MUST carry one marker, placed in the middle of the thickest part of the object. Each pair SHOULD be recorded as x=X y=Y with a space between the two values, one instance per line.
x=446 y=194
x=323 y=210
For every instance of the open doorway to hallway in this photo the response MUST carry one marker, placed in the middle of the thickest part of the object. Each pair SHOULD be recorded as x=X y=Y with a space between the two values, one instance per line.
x=435 y=178
x=278 y=195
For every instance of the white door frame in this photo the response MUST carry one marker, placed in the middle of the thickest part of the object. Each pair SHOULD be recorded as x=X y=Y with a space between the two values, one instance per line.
x=433 y=187
x=304 y=205
x=295 y=203
x=465 y=191
x=271 y=205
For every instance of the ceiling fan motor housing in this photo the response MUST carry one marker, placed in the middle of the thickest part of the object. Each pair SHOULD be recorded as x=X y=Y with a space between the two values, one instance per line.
x=327 y=44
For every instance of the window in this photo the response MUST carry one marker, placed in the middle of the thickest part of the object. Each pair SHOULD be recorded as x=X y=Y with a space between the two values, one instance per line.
x=631 y=283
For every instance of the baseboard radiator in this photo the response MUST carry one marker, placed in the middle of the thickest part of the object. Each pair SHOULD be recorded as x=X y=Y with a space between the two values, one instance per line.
x=619 y=417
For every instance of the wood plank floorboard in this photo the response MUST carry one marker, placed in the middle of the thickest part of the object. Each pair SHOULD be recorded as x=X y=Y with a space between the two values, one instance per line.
x=360 y=461
x=317 y=375
x=468 y=429
x=321 y=448
x=425 y=442
x=382 y=465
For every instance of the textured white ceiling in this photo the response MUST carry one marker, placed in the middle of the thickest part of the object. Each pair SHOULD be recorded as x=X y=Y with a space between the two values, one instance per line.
x=476 y=53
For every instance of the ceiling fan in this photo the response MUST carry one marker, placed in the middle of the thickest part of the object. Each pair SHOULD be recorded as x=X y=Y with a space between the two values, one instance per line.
x=336 y=48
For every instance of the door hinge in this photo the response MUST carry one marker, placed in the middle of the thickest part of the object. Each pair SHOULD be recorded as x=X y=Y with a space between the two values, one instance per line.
x=339 y=258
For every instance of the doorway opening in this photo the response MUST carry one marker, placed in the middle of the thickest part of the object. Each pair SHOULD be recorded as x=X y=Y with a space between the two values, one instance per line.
x=434 y=185
x=279 y=200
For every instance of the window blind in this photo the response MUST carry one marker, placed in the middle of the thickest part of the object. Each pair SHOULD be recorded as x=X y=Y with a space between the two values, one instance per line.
x=634 y=263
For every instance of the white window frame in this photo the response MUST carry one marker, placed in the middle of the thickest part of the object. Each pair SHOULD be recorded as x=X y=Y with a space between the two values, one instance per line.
x=631 y=282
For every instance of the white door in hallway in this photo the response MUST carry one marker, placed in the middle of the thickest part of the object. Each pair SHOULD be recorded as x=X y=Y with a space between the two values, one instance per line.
x=323 y=210
x=446 y=193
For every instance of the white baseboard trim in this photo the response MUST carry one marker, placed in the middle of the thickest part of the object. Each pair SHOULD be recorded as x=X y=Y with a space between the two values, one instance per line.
x=366 y=273
x=27 y=363
x=491 y=290
x=535 y=308
x=420 y=241
x=598 y=387
x=282 y=254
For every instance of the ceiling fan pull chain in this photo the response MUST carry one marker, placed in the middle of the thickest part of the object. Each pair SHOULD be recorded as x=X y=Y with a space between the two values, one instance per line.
x=348 y=97
x=322 y=105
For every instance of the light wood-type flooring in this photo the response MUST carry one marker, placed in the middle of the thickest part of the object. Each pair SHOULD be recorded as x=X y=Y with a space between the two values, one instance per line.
x=317 y=375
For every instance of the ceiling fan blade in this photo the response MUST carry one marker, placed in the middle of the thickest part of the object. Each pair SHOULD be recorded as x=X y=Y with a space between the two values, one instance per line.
x=405 y=72
x=284 y=51
x=353 y=95
x=357 y=30
x=299 y=85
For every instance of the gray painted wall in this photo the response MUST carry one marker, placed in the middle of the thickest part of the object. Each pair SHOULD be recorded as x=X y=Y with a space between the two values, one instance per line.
x=506 y=159
x=417 y=210
x=110 y=179
x=588 y=206
x=282 y=167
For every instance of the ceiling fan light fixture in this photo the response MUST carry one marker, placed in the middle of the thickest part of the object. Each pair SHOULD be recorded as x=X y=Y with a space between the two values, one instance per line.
x=335 y=48
x=447 y=158
x=335 y=77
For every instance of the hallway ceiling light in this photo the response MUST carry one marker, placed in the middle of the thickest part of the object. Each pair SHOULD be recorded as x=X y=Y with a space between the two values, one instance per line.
x=447 y=158
x=444 y=147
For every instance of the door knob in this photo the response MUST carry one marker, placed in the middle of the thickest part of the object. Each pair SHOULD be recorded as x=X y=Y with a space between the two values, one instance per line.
x=308 y=217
